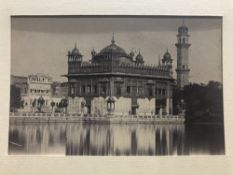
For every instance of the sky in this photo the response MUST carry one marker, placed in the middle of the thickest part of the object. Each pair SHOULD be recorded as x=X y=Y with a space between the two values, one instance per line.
x=40 y=44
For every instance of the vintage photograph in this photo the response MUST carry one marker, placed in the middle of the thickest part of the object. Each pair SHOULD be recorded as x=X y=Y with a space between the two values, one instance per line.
x=116 y=86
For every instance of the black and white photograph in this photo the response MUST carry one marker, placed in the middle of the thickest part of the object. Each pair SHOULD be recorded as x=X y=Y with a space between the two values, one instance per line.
x=116 y=86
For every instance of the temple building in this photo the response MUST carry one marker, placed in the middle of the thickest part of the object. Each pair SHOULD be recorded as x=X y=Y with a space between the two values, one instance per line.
x=115 y=82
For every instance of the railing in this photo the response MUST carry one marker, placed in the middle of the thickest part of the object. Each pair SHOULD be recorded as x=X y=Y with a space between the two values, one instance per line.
x=139 y=116
x=122 y=68
x=44 y=114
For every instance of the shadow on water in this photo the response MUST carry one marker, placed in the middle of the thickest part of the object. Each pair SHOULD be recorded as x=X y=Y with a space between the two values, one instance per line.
x=116 y=139
x=205 y=139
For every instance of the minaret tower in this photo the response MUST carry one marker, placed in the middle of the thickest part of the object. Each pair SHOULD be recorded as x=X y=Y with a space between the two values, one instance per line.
x=182 y=56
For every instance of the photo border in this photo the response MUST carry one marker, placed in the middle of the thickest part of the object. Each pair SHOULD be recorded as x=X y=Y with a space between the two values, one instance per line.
x=111 y=164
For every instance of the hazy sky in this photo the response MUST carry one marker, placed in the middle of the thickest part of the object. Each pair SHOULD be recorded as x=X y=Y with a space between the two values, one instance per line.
x=40 y=44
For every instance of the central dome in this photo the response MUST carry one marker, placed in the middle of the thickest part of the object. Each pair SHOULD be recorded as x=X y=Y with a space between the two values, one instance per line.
x=112 y=52
x=113 y=49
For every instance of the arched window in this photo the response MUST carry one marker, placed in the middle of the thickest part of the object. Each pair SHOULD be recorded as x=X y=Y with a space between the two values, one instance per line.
x=156 y=91
x=95 y=89
x=83 y=89
x=103 y=90
x=183 y=40
x=128 y=89
x=88 y=89
x=118 y=90
x=150 y=91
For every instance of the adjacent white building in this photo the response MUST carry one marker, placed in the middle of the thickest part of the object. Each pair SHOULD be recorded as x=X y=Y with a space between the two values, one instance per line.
x=39 y=86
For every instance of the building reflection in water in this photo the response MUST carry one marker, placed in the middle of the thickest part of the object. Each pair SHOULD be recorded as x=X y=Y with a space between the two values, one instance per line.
x=115 y=139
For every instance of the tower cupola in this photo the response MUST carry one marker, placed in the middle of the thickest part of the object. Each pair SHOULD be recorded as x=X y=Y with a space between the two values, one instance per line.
x=74 y=59
x=139 y=58
x=167 y=60
x=74 y=55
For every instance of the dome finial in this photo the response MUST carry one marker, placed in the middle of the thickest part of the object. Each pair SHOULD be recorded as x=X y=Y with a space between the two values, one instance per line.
x=113 y=39
x=183 y=22
x=75 y=45
x=93 y=52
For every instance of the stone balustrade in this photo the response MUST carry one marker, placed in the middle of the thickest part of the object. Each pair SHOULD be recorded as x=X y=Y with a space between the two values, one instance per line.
x=62 y=117
x=87 y=68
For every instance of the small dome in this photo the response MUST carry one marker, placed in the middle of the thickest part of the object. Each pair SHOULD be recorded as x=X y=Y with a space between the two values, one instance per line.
x=93 y=52
x=167 y=60
x=139 y=57
x=167 y=56
x=75 y=51
x=131 y=54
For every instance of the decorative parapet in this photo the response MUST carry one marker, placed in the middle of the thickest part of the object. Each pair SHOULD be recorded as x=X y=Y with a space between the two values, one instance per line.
x=87 y=68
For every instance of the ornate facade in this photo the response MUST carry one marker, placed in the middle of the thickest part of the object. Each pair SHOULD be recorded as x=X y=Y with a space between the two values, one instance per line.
x=117 y=82
x=38 y=86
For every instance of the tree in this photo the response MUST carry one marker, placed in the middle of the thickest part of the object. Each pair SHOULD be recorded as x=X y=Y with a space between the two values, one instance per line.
x=203 y=103
x=40 y=103
x=63 y=104
x=52 y=104
x=34 y=103
x=15 y=98
x=177 y=97
x=22 y=104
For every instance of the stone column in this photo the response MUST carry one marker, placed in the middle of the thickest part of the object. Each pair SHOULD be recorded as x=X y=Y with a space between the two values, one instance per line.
x=99 y=89
x=169 y=99
x=111 y=87
x=171 y=106
x=160 y=111
x=111 y=94
x=167 y=105
x=155 y=106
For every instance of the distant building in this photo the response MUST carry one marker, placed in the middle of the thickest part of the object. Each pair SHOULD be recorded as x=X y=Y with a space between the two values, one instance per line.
x=20 y=82
x=38 y=86
x=60 y=89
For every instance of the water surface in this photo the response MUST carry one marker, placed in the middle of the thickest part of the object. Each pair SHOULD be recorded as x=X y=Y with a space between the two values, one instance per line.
x=115 y=139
